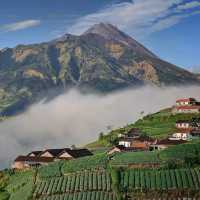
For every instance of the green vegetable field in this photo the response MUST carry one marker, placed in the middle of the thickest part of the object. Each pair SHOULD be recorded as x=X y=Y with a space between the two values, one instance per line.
x=172 y=179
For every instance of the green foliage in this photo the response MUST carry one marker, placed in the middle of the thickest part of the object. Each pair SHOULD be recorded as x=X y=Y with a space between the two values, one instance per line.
x=98 y=180
x=89 y=195
x=3 y=180
x=51 y=170
x=97 y=161
x=23 y=193
x=18 y=180
x=181 y=152
x=144 y=179
x=115 y=177
x=4 y=195
x=126 y=158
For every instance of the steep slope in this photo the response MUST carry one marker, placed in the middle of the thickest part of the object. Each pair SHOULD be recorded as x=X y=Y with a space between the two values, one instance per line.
x=103 y=59
x=158 y=125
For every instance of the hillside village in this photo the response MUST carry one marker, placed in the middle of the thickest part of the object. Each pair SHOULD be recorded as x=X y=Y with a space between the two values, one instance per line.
x=133 y=141
x=155 y=158
x=186 y=130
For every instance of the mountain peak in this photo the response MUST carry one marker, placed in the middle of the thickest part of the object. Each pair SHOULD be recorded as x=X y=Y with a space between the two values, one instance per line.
x=106 y=30
x=111 y=32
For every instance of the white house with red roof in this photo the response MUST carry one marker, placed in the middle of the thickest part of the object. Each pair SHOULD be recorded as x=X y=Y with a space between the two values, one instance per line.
x=187 y=105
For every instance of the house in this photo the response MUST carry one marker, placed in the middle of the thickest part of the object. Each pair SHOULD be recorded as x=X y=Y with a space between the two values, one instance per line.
x=186 y=102
x=182 y=134
x=137 y=143
x=187 y=109
x=25 y=162
x=34 y=153
x=132 y=133
x=126 y=142
x=165 y=143
x=186 y=129
x=184 y=124
x=74 y=153
x=52 y=153
x=188 y=105
x=37 y=158
x=117 y=149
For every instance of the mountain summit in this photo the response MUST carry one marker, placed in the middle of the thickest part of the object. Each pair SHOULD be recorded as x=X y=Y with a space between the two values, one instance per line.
x=110 y=32
x=103 y=59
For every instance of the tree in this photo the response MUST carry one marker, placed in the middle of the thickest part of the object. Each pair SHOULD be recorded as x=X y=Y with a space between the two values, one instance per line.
x=73 y=146
x=101 y=135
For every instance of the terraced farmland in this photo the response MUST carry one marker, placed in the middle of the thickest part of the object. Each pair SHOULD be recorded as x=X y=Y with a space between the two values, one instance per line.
x=182 y=179
x=87 y=181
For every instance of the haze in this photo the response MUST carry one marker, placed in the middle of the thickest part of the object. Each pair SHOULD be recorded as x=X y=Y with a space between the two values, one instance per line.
x=74 y=118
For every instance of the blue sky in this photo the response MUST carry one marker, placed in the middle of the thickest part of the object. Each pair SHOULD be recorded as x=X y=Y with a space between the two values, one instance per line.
x=170 y=28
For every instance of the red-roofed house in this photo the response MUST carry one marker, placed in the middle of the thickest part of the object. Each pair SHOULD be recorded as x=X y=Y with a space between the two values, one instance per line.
x=189 y=105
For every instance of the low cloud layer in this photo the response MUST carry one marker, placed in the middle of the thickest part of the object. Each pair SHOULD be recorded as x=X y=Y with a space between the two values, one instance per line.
x=74 y=118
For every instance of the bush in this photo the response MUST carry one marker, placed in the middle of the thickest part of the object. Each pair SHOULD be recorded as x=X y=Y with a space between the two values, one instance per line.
x=4 y=195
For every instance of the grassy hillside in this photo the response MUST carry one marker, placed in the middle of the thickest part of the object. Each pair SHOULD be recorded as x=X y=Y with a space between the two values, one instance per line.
x=157 y=125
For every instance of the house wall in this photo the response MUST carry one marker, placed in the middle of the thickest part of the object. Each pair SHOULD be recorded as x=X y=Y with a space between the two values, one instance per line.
x=183 y=103
x=65 y=155
x=125 y=143
x=46 y=154
x=181 y=136
x=32 y=155
x=20 y=165
x=137 y=144
x=183 y=125
x=187 y=110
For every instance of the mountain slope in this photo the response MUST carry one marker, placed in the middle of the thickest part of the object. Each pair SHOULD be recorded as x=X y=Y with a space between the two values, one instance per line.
x=103 y=59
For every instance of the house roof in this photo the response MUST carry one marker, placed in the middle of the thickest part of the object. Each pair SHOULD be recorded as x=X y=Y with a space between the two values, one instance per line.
x=169 y=142
x=185 y=100
x=34 y=159
x=54 y=152
x=126 y=139
x=134 y=132
x=123 y=148
x=36 y=153
x=76 y=152
x=183 y=121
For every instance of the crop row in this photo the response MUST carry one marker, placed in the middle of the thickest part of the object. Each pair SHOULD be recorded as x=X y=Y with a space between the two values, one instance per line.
x=95 y=195
x=85 y=181
x=161 y=179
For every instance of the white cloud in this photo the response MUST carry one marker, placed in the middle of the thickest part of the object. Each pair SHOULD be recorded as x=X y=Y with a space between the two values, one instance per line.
x=136 y=17
x=74 y=118
x=189 y=5
x=20 y=25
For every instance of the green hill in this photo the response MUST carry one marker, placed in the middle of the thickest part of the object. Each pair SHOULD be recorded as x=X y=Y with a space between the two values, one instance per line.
x=157 y=125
